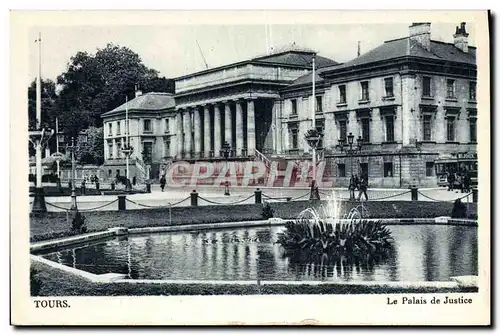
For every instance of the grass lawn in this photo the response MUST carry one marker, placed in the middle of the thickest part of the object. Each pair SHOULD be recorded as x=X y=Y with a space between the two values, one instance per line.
x=47 y=281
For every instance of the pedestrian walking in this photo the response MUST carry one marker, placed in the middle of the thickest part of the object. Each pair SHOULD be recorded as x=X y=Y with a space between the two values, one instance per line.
x=163 y=181
x=363 y=186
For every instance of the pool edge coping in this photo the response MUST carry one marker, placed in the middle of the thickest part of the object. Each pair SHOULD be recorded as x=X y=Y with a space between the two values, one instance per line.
x=116 y=278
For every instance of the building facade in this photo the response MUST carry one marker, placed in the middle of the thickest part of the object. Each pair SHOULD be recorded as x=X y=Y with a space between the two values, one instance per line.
x=412 y=101
x=151 y=126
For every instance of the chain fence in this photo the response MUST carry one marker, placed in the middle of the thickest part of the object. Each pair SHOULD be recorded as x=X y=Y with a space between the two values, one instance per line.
x=157 y=206
x=447 y=201
x=84 y=209
x=225 y=203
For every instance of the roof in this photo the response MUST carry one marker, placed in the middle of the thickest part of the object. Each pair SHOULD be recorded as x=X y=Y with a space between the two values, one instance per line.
x=396 y=49
x=292 y=57
x=152 y=101
x=296 y=58
x=406 y=47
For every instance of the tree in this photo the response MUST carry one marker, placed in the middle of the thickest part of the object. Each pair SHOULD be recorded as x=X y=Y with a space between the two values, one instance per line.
x=48 y=101
x=92 y=152
x=95 y=84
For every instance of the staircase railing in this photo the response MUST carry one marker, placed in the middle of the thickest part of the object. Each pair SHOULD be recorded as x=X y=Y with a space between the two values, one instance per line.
x=261 y=157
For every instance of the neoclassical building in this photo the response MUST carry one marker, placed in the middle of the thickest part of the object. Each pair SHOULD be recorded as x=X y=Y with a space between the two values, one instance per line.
x=412 y=100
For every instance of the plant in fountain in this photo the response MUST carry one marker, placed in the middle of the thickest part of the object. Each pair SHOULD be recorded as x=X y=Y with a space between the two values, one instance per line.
x=310 y=238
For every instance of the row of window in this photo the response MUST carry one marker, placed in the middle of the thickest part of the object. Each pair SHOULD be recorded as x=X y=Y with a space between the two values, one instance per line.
x=388 y=169
x=147 y=126
x=389 y=92
x=147 y=151
x=427 y=127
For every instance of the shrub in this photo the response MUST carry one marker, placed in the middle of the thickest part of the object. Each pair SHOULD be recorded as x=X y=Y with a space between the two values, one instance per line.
x=459 y=209
x=327 y=243
x=78 y=223
x=267 y=212
x=35 y=282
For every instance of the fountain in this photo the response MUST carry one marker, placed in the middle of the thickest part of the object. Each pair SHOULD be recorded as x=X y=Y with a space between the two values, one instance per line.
x=322 y=234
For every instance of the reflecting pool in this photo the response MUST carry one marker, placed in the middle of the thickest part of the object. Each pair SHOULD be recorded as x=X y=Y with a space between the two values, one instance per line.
x=423 y=252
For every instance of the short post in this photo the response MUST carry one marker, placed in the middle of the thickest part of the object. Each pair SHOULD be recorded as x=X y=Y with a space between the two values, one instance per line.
x=194 y=198
x=226 y=188
x=258 y=196
x=414 y=193
x=121 y=202
x=474 y=195
x=97 y=186
x=148 y=187
x=288 y=199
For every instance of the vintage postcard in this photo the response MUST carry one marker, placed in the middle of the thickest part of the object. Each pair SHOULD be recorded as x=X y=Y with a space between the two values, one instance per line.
x=250 y=167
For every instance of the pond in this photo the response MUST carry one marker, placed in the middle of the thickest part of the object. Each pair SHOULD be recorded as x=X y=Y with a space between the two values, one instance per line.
x=420 y=253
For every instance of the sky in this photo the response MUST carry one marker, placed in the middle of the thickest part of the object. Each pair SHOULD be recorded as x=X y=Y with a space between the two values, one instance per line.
x=173 y=49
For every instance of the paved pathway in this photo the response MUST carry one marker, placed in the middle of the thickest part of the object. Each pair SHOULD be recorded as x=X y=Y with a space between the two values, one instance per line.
x=244 y=195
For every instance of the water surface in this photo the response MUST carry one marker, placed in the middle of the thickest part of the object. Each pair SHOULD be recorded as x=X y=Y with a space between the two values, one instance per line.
x=424 y=252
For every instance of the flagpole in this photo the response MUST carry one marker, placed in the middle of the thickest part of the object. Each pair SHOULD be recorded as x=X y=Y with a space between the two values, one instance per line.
x=127 y=139
x=314 y=114
x=57 y=146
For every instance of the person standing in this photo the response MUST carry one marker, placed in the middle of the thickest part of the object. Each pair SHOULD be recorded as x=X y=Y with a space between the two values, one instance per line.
x=363 y=186
x=352 y=186
x=163 y=181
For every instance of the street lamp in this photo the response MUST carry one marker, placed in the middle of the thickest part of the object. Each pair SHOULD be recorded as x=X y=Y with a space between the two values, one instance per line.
x=313 y=137
x=127 y=151
x=226 y=149
x=351 y=150
x=72 y=148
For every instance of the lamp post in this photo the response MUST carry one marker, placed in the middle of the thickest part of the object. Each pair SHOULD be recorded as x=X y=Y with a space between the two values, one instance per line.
x=351 y=150
x=226 y=149
x=39 y=138
x=313 y=137
x=72 y=148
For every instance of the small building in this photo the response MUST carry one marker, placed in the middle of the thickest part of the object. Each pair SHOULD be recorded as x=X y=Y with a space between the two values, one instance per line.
x=151 y=119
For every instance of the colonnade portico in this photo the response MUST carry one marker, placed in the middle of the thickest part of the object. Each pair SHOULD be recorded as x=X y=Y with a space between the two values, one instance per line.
x=201 y=130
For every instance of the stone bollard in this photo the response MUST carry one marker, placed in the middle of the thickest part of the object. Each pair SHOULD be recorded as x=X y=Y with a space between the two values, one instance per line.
x=474 y=195
x=226 y=188
x=258 y=196
x=97 y=186
x=122 y=205
x=414 y=194
x=148 y=188
x=194 y=198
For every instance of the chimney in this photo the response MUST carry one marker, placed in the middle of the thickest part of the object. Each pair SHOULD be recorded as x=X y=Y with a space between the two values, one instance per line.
x=421 y=33
x=138 y=92
x=461 y=38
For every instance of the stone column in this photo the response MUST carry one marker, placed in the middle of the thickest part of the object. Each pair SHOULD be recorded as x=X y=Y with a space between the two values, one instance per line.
x=239 y=128
x=187 y=134
x=227 y=119
x=217 y=130
x=251 y=127
x=197 y=132
x=206 y=132
x=180 y=134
